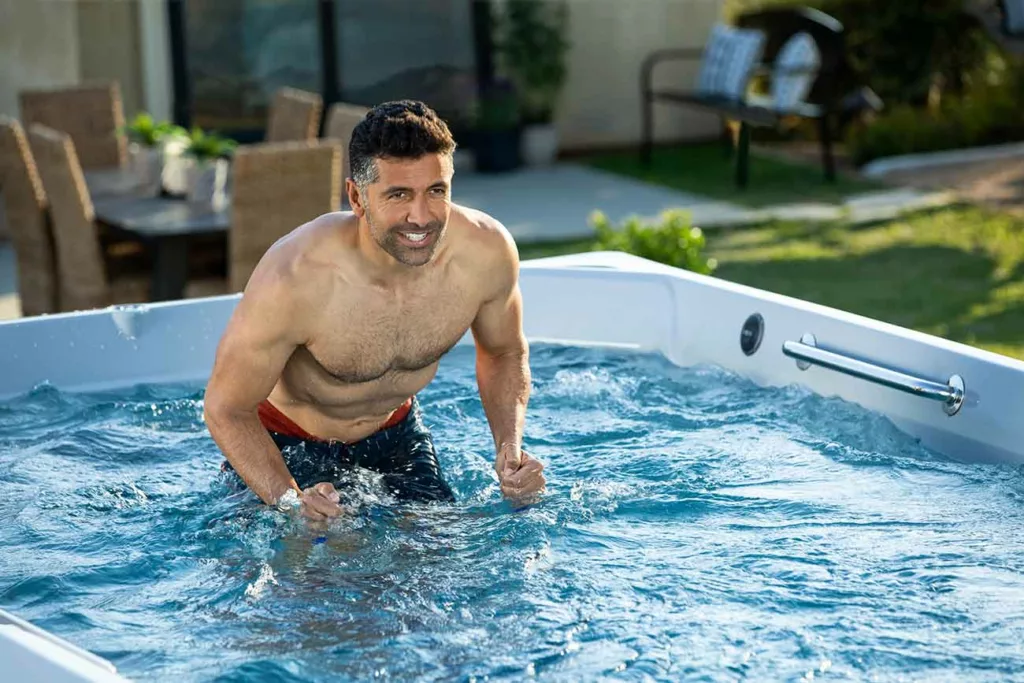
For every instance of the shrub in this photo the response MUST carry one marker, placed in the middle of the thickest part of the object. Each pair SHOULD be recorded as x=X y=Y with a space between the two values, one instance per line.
x=532 y=42
x=987 y=114
x=671 y=240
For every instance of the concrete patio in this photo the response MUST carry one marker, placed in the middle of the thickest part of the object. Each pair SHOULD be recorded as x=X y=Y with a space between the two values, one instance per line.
x=554 y=203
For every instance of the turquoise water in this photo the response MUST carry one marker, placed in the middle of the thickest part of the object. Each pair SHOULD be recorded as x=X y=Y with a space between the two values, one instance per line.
x=697 y=527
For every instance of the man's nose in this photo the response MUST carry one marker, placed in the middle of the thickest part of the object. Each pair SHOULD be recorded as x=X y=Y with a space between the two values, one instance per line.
x=419 y=212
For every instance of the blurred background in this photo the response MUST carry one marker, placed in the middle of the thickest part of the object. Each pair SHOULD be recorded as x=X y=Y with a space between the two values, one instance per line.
x=864 y=154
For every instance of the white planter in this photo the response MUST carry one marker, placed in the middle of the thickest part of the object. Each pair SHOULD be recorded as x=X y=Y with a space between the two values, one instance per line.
x=176 y=165
x=147 y=164
x=539 y=144
x=207 y=183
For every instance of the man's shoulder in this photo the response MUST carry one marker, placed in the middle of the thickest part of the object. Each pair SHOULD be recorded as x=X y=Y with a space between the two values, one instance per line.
x=490 y=251
x=313 y=246
x=300 y=261
x=485 y=235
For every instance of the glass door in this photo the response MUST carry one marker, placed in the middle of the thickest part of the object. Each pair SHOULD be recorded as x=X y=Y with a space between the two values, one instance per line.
x=230 y=56
x=237 y=53
x=408 y=49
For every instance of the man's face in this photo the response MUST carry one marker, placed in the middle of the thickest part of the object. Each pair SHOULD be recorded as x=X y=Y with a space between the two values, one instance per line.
x=407 y=207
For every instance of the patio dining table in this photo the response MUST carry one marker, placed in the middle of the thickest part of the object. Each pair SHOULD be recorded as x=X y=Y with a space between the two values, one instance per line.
x=164 y=224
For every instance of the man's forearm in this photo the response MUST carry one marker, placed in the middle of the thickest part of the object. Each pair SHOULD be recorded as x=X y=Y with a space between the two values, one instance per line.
x=504 y=382
x=250 y=450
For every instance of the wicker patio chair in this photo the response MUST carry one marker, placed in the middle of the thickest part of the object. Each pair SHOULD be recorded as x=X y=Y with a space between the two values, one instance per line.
x=342 y=118
x=82 y=273
x=277 y=188
x=25 y=204
x=294 y=115
x=91 y=114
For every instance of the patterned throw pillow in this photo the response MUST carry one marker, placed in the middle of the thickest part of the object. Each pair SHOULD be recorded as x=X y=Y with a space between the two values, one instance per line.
x=801 y=58
x=728 y=59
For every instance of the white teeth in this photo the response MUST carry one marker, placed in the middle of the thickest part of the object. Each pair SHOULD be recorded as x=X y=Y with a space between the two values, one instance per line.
x=416 y=236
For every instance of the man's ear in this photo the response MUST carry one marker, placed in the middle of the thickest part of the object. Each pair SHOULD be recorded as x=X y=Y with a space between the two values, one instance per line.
x=355 y=199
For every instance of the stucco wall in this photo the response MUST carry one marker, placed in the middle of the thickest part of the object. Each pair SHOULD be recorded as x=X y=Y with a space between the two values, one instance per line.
x=38 y=48
x=610 y=38
x=109 y=47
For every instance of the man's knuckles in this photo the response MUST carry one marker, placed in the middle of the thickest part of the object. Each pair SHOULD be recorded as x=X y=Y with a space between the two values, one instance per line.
x=322 y=505
x=327 y=490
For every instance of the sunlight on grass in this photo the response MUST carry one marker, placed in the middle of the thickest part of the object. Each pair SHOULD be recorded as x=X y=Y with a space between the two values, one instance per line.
x=956 y=273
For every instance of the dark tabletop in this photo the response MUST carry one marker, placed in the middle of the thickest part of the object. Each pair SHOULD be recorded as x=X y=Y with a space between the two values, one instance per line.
x=110 y=182
x=156 y=217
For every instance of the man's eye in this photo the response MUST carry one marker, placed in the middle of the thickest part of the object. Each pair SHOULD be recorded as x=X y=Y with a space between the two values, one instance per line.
x=440 y=191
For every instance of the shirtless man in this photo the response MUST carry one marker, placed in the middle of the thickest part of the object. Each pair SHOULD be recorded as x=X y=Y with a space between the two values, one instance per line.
x=346 y=318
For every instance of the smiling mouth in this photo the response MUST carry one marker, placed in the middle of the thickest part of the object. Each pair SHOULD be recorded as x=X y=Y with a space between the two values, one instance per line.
x=420 y=238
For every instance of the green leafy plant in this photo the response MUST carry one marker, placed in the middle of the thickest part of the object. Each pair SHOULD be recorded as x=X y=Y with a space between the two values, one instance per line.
x=145 y=130
x=989 y=113
x=498 y=108
x=205 y=145
x=671 y=240
x=531 y=42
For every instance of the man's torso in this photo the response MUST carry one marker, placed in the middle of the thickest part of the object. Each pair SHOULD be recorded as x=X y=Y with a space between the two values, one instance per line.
x=372 y=346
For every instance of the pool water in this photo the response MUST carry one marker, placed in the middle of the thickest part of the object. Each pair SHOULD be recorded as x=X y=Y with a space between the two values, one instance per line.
x=696 y=526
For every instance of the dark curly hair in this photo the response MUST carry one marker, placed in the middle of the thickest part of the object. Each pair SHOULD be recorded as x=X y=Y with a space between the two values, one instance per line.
x=404 y=129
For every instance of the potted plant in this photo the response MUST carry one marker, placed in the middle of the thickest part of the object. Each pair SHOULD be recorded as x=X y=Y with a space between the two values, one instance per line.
x=146 y=139
x=532 y=45
x=496 y=129
x=208 y=155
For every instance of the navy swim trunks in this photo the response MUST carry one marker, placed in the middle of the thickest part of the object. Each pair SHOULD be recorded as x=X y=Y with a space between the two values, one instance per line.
x=402 y=452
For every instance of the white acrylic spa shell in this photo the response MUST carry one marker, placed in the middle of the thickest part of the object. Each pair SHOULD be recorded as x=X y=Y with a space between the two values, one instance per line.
x=602 y=298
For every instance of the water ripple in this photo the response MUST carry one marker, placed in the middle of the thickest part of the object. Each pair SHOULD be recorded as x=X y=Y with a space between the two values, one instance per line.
x=696 y=526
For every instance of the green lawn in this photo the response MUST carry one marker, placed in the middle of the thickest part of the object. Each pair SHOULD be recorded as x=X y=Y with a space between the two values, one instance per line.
x=708 y=170
x=957 y=273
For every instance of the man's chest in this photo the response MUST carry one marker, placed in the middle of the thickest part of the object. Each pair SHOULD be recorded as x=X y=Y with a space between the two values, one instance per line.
x=357 y=342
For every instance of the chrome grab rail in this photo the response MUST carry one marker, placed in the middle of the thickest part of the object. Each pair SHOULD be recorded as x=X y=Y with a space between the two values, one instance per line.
x=807 y=353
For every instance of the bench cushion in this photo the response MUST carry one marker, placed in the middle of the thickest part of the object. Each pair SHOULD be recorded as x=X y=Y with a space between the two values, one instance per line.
x=794 y=71
x=728 y=60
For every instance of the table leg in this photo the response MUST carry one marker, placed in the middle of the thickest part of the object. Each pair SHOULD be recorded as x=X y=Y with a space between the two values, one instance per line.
x=170 y=270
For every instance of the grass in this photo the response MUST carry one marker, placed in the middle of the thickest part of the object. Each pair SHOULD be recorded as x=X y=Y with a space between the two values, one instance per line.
x=957 y=273
x=707 y=169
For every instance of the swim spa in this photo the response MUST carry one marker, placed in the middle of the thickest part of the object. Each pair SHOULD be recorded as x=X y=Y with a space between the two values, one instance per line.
x=740 y=484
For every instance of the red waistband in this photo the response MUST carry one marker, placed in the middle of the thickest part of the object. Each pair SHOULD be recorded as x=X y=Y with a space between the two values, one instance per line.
x=276 y=421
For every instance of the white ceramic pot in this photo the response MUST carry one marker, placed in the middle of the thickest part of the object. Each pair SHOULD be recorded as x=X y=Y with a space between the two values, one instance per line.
x=539 y=144
x=176 y=165
x=207 y=183
x=147 y=164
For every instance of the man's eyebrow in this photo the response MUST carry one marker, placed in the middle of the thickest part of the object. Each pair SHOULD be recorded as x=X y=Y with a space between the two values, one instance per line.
x=401 y=188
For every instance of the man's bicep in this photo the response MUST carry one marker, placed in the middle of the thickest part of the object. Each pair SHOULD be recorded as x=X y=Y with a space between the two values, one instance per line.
x=498 y=327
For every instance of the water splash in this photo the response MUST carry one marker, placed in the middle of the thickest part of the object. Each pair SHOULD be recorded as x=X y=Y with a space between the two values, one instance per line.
x=695 y=526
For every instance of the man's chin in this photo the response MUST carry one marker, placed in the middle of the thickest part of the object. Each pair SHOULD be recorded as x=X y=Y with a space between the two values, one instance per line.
x=412 y=256
x=410 y=253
